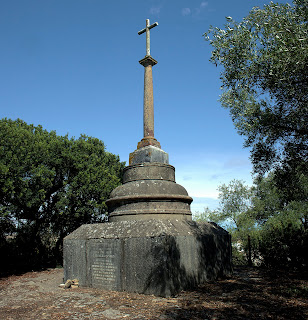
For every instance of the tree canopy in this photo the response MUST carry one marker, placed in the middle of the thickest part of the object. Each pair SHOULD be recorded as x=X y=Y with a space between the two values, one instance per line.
x=264 y=78
x=265 y=227
x=234 y=213
x=50 y=185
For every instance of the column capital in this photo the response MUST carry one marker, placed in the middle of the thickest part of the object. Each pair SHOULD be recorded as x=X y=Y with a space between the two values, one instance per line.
x=148 y=60
x=148 y=141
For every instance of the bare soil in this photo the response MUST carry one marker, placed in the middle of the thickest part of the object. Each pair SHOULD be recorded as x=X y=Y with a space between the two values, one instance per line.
x=249 y=294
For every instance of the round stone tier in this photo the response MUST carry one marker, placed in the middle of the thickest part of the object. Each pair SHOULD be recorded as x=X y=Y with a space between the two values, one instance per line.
x=149 y=171
x=149 y=191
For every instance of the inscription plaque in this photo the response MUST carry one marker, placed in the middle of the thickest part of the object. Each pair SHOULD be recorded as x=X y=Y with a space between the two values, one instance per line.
x=105 y=264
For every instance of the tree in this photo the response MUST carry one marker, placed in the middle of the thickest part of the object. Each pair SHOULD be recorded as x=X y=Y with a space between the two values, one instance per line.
x=235 y=214
x=263 y=223
x=264 y=77
x=265 y=82
x=234 y=203
x=49 y=186
x=282 y=224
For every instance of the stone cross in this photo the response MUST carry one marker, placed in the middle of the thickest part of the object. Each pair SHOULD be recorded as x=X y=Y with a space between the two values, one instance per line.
x=147 y=30
x=148 y=104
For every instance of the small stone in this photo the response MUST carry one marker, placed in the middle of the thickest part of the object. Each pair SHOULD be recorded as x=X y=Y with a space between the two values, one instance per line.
x=68 y=284
x=114 y=314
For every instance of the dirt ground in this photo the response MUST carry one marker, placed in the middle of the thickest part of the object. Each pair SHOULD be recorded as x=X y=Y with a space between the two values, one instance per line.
x=249 y=294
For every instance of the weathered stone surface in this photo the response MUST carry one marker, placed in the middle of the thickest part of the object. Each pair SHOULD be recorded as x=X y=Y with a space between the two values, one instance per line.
x=68 y=284
x=158 y=257
x=142 y=198
x=149 y=171
x=148 y=103
x=148 y=153
x=148 y=60
x=114 y=314
x=145 y=228
x=149 y=191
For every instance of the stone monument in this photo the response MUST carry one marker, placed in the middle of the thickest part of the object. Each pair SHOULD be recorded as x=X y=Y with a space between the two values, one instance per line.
x=150 y=243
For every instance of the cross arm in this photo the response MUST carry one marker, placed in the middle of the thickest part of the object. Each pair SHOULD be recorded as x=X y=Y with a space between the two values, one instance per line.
x=150 y=27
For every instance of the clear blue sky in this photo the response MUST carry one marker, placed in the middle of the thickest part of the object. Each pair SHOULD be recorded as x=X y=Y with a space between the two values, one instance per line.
x=72 y=66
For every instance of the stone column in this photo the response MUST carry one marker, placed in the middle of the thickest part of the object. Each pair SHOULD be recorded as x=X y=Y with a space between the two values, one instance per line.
x=148 y=105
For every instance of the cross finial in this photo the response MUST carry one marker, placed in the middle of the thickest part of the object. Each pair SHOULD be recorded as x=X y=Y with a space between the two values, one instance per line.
x=147 y=30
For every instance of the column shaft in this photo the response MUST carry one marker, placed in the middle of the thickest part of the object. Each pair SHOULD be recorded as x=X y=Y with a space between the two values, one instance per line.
x=148 y=103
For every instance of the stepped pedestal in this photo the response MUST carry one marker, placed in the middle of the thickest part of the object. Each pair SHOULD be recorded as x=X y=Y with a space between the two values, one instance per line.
x=150 y=244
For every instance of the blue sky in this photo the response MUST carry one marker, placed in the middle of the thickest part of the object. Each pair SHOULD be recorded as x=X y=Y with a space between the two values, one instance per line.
x=72 y=66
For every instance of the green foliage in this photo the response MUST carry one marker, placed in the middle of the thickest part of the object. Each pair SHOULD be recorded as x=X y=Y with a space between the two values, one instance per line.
x=234 y=213
x=264 y=225
x=49 y=186
x=283 y=232
x=282 y=222
x=234 y=203
x=208 y=215
x=239 y=258
x=264 y=78
x=265 y=81
x=283 y=242
x=234 y=200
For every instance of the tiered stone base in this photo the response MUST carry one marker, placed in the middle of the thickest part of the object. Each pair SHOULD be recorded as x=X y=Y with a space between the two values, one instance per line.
x=160 y=257
x=149 y=191
x=150 y=244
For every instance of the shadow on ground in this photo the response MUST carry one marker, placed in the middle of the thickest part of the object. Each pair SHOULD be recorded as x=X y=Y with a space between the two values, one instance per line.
x=250 y=294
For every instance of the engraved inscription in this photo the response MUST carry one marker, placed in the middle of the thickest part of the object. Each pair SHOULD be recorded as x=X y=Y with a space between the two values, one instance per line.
x=104 y=267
